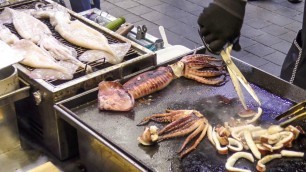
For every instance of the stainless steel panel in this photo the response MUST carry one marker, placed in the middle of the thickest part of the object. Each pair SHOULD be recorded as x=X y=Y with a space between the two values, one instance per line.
x=19 y=158
x=8 y=122
x=16 y=95
x=98 y=157
x=8 y=129
x=93 y=149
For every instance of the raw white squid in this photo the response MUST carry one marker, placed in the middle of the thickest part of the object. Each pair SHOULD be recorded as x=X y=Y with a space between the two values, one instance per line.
x=34 y=56
x=27 y=26
x=97 y=55
x=82 y=35
x=30 y=28
x=8 y=55
x=7 y=36
x=38 y=58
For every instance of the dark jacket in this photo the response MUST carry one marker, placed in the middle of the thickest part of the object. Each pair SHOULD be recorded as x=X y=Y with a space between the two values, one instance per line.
x=294 y=66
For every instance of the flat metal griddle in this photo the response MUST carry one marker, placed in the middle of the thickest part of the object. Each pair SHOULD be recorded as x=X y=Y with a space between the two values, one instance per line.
x=121 y=130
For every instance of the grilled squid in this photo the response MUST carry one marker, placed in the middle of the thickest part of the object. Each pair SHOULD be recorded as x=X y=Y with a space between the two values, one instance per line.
x=192 y=67
x=232 y=160
x=112 y=96
x=149 y=82
x=149 y=136
x=261 y=163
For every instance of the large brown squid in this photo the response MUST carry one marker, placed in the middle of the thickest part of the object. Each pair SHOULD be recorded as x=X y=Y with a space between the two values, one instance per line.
x=202 y=68
x=182 y=122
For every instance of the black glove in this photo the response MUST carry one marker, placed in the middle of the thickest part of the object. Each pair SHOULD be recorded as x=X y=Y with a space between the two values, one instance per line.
x=221 y=23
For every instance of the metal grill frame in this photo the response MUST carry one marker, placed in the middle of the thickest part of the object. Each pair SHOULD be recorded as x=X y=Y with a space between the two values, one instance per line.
x=142 y=51
x=38 y=120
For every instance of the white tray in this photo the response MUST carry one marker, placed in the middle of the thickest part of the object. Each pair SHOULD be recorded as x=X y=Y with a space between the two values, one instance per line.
x=171 y=53
x=8 y=56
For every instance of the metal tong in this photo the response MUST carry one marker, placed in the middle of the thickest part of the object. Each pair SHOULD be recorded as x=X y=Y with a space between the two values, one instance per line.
x=295 y=113
x=237 y=76
x=234 y=72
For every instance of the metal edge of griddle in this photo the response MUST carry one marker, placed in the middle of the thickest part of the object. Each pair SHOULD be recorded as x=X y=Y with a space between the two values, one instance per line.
x=17 y=3
x=74 y=120
x=262 y=79
x=257 y=77
x=16 y=95
x=270 y=82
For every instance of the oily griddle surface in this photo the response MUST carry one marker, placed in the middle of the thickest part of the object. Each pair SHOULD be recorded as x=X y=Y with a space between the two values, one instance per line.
x=217 y=104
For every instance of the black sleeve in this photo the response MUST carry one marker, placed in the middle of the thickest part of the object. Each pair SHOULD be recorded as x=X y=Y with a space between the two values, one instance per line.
x=235 y=7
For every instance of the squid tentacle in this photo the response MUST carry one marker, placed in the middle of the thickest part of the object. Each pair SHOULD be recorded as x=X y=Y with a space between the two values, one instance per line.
x=191 y=136
x=181 y=132
x=197 y=142
x=163 y=117
x=181 y=126
x=176 y=123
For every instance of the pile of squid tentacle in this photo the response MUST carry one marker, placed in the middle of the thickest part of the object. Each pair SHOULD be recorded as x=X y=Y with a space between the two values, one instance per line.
x=265 y=144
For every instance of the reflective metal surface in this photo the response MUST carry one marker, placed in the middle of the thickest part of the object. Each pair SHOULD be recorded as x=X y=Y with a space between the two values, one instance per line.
x=8 y=121
x=16 y=95
x=18 y=158
x=8 y=128
x=120 y=130
x=98 y=157
x=12 y=156
x=8 y=79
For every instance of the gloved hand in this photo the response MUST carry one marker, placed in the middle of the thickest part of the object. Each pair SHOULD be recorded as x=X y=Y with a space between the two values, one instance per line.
x=221 y=23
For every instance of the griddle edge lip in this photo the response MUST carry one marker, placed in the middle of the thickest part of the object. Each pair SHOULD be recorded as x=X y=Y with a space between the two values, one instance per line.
x=74 y=120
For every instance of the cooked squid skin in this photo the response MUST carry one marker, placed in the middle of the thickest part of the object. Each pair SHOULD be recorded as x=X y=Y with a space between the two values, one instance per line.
x=113 y=97
x=116 y=97
x=149 y=82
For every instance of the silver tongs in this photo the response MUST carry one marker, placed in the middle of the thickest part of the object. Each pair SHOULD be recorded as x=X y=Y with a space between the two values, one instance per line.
x=295 y=113
x=237 y=76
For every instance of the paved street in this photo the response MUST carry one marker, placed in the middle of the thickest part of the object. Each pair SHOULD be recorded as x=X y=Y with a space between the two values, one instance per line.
x=268 y=30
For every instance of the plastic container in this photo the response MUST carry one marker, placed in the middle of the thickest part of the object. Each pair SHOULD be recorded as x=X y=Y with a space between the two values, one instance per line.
x=115 y=24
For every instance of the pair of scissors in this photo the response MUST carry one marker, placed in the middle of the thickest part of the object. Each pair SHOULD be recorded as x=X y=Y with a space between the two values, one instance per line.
x=237 y=77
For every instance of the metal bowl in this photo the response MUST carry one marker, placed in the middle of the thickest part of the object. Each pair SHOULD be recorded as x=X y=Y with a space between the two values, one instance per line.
x=8 y=80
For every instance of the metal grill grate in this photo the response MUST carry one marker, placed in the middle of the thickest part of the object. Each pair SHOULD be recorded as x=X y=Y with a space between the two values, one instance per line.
x=4 y=3
x=96 y=65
